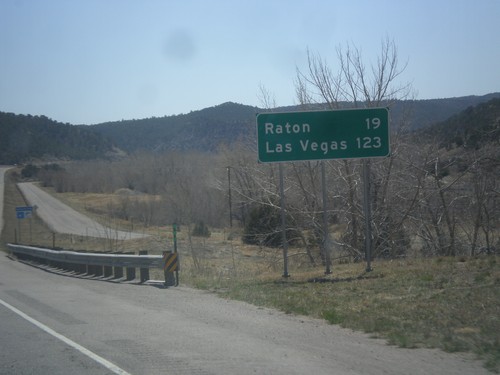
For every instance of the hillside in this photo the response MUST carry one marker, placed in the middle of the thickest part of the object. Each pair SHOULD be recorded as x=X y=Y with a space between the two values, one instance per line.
x=472 y=128
x=200 y=130
x=432 y=111
x=23 y=138
x=206 y=129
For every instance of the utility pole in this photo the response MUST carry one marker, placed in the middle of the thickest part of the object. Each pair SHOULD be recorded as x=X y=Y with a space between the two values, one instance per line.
x=229 y=195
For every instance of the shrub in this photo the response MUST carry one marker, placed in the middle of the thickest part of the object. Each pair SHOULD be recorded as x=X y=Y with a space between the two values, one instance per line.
x=30 y=171
x=200 y=230
x=263 y=227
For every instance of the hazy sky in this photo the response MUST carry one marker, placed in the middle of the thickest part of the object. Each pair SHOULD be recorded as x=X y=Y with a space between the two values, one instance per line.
x=90 y=61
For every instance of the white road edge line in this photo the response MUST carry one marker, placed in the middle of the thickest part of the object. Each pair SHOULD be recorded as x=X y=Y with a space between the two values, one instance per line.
x=110 y=366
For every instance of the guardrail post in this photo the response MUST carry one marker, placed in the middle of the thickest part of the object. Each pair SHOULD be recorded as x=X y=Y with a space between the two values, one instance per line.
x=81 y=268
x=130 y=273
x=98 y=270
x=108 y=271
x=90 y=270
x=144 y=272
x=118 y=272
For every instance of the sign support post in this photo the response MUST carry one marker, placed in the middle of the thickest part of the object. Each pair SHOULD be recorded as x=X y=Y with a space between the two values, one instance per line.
x=283 y=223
x=23 y=212
x=325 y=135
x=368 y=214
x=326 y=236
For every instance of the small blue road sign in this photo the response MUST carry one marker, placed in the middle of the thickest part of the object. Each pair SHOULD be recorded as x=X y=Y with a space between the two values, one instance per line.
x=24 y=212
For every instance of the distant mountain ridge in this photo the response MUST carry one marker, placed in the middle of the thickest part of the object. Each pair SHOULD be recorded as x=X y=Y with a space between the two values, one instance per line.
x=206 y=129
x=25 y=137
x=202 y=130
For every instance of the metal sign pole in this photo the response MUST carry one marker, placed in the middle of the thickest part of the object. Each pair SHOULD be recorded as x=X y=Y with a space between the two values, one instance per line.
x=18 y=240
x=368 y=214
x=283 y=224
x=326 y=242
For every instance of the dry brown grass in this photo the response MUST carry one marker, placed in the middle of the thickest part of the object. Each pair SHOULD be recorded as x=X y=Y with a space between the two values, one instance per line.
x=447 y=303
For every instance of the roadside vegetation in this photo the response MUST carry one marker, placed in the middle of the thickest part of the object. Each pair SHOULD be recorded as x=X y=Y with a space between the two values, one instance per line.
x=434 y=203
x=446 y=303
x=450 y=303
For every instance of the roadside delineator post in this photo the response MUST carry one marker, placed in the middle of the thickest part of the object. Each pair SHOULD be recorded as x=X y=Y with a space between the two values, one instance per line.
x=170 y=266
x=171 y=263
x=177 y=267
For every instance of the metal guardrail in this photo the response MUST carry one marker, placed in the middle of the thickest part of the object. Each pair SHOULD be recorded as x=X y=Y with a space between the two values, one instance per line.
x=96 y=259
x=98 y=264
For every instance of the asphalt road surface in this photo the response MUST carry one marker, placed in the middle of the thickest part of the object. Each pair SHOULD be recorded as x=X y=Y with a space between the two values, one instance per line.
x=2 y=173
x=54 y=324
x=63 y=219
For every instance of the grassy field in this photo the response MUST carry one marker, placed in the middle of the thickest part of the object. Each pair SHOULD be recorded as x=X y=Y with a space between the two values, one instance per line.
x=448 y=303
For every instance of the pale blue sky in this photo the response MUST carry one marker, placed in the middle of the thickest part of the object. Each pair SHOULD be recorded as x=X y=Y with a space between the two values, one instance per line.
x=90 y=61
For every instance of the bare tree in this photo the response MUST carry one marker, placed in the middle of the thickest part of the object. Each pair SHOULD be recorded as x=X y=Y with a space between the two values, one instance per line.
x=359 y=85
x=484 y=201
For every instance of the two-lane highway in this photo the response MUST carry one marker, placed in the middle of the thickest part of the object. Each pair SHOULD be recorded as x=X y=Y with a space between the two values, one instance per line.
x=148 y=330
x=60 y=217
x=63 y=219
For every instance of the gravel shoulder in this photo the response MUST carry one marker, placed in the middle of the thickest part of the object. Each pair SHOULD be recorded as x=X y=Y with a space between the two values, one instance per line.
x=151 y=330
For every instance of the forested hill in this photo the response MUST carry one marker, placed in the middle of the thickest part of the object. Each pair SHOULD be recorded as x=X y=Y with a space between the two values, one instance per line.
x=24 y=138
x=472 y=128
x=203 y=130
x=206 y=129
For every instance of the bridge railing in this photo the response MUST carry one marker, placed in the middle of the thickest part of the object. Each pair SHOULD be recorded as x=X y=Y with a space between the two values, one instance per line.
x=98 y=264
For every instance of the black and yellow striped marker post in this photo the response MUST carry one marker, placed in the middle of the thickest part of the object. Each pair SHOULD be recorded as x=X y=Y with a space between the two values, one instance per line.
x=170 y=265
x=174 y=230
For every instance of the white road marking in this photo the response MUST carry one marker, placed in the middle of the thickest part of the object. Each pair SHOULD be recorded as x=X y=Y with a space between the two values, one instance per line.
x=110 y=366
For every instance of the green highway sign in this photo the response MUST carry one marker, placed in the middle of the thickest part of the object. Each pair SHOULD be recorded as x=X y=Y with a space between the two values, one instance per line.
x=318 y=135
